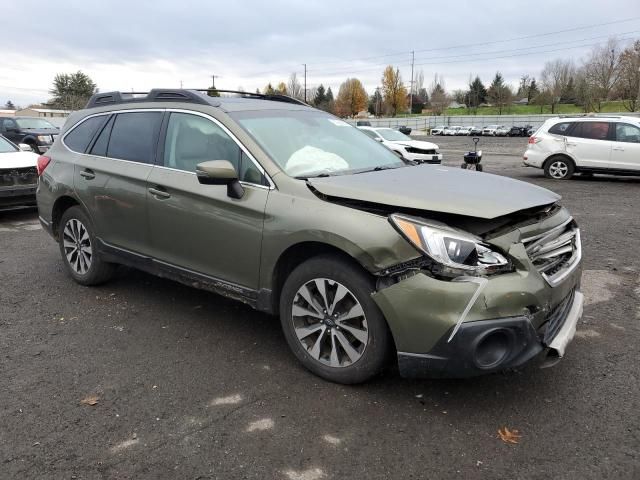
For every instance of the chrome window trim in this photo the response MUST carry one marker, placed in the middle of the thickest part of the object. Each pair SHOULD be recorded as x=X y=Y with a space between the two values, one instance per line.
x=234 y=138
x=271 y=185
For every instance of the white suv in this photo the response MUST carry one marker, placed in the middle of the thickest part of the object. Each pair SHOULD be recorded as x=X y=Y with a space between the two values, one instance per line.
x=588 y=144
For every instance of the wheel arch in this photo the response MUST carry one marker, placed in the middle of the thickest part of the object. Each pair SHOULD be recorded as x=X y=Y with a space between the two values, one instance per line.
x=560 y=154
x=294 y=256
x=61 y=205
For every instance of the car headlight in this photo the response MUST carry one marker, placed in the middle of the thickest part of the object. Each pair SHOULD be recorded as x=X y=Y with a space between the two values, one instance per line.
x=456 y=251
x=44 y=138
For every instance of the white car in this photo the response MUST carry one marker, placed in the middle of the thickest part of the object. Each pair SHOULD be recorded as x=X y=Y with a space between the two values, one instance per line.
x=439 y=130
x=404 y=146
x=502 y=131
x=490 y=130
x=18 y=175
x=452 y=130
x=464 y=131
x=586 y=144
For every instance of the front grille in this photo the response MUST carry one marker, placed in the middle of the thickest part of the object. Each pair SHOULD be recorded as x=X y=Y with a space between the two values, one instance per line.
x=556 y=317
x=421 y=151
x=555 y=253
x=18 y=176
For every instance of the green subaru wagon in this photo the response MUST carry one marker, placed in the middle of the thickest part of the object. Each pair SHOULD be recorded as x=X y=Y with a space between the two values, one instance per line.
x=363 y=255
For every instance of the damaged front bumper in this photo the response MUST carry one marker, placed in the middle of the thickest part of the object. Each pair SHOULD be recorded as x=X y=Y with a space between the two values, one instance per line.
x=516 y=317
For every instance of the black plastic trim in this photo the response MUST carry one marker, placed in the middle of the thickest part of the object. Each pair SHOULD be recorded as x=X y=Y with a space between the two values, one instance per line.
x=456 y=359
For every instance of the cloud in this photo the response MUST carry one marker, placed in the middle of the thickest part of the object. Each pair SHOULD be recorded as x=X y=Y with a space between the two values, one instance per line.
x=127 y=44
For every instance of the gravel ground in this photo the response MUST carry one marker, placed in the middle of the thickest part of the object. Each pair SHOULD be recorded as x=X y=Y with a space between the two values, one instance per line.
x=514 y=146
x=186 y=384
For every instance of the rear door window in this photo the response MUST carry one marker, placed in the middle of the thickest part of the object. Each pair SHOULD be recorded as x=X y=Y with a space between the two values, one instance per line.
x=592 y=130
x=79 y=138
x=627 y=133
x=134 y=136
x=561 y=128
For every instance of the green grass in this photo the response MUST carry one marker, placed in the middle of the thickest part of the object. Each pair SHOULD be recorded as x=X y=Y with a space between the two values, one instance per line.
x=607 y=107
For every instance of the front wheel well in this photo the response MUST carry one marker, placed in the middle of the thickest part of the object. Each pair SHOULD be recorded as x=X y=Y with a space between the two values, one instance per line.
x=296 y=255
x=60 y=206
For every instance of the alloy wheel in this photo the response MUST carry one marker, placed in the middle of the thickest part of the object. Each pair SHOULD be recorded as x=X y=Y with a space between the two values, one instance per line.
x=558 y=169
x=77 y=246
x=329 y=322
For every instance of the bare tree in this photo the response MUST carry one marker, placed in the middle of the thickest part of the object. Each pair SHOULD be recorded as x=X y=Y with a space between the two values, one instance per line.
x=419 y=82
x=439 y=99
x=602 y=69
x=629 y=81
x=555 y=77
x=294 y=89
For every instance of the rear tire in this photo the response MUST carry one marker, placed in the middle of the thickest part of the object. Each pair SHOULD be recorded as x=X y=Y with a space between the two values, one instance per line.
x=478 y=167
x=330 y=321
x=78 y=248
x=559 y=168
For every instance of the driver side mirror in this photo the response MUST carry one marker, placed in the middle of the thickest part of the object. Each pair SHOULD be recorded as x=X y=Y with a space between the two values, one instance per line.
x=220 y=172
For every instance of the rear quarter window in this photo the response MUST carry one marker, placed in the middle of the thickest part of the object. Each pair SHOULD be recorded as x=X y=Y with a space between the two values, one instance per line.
x=561 y=128
x=592 y=130
x=79 y=138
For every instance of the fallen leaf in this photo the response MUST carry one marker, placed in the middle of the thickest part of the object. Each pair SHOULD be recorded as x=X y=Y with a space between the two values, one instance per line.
x=508 y=436
x=90 y=400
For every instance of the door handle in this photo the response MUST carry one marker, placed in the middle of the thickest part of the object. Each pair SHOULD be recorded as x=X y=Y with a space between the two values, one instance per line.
x=158 y=193
x=88 y=174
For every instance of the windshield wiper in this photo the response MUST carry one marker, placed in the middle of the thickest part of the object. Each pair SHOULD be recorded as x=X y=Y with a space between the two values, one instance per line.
x=378 y=169
x=319 y=175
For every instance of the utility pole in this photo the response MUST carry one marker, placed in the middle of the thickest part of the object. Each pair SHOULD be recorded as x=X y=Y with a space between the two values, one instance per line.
x=411 y=90
x=305 y=82
x=213 y=80
x=378 y=101
x=180 y=84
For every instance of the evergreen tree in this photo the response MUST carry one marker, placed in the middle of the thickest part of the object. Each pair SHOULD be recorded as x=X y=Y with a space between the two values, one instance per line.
x=9 y=105
x=533 y=91
x=568 y=94
x=321 y=96
x=269 y=90
x=477 y=93
x=329 y=95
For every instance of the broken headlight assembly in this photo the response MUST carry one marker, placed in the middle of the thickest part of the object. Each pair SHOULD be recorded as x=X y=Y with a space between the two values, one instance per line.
x=454 y=252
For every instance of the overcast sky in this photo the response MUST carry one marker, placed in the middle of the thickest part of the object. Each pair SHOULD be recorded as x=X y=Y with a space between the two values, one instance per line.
x=140 y=45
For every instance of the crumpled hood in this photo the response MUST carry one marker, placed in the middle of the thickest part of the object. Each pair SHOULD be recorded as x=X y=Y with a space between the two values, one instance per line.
x=417 y=144
x=18 y=160
x=438 y=189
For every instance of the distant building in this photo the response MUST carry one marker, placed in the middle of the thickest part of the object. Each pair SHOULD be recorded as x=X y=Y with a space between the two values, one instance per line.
x=7 y=113
x=42 y=112
x=457 y=105
x=521 y=101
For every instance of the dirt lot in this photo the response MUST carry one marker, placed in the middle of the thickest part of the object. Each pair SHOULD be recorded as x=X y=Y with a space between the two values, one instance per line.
x=189 y=385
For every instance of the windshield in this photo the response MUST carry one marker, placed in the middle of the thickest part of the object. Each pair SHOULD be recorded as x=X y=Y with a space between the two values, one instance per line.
x=36 y=123
x=6 y=146
x=309 y=143
x=392 y=135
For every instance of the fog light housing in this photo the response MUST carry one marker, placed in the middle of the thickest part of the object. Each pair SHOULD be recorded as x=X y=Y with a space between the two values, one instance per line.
x=493 y=347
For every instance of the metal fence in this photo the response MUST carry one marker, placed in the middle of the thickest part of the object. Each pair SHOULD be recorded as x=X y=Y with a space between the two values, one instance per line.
x=428 y=122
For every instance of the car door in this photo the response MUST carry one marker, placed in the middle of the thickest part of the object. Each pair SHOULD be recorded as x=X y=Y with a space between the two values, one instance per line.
x=625 y=151
x=589 y=143
x=111 y=177
x=197 y=227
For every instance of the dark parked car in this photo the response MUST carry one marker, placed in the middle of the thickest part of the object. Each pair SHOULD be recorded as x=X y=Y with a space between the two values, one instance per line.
x=363 y=123
x=475 y=131
x=404 y=129
x=525 y=131
x=36 y=132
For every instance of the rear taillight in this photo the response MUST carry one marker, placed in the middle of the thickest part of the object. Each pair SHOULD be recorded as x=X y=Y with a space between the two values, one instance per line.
x=42 y=163
x=533 y=140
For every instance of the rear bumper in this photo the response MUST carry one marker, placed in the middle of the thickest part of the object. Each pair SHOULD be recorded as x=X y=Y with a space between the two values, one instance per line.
x=493 y=345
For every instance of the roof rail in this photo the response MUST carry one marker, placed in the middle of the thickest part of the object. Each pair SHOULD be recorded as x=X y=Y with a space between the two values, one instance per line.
x=196 y=95
x=588 y=115
x=276 y=97
x=155 y=95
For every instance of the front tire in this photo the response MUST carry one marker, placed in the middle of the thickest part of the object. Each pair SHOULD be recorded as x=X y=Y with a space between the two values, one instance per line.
x=559 y=168
x=78 y=248
x=330 y=321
